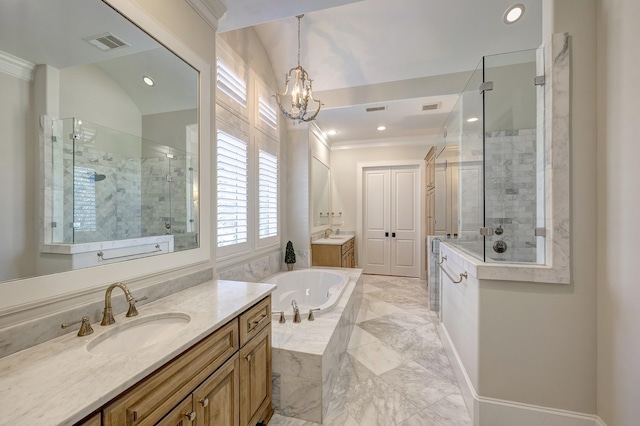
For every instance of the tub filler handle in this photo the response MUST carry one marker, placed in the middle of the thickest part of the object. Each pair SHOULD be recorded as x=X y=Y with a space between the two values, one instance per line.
x=282 y=319
x=311 y=317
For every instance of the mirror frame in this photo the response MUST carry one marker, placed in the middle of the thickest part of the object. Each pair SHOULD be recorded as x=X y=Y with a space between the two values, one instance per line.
x=24 y=298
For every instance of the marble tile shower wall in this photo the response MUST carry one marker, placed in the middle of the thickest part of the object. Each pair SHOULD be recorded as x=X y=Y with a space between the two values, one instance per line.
x=117 y=196
x=164 y=199
x=510 y=192
x=135 y=198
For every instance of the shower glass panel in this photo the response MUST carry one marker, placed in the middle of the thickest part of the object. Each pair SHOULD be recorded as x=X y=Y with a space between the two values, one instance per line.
x=492 y=151
x=510 y=163
x=469 y=167
x=109 y=185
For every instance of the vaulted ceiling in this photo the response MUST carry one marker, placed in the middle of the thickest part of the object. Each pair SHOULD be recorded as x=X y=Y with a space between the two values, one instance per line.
x=391 y=50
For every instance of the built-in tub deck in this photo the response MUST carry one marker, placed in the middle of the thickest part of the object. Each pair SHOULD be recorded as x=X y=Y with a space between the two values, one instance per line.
x=307 y=355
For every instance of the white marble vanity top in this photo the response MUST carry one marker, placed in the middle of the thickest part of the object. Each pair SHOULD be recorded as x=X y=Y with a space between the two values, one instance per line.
x=58 y=382
x=336 y=240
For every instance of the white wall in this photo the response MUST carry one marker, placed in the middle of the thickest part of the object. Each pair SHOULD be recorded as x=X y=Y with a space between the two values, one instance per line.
x=18 y=169
x=90 y=94
x=344 y=173
x=169 y=128
x=538 y=341
x=618 y=206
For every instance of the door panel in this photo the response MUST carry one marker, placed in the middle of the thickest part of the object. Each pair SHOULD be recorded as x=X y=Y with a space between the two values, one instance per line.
x=404 y=222
x=376 y=221
x=391 y=228
x=375 y=252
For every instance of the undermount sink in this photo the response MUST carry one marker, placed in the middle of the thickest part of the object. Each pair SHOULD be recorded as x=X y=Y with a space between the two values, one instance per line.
x=139 y=333
x=337 y=238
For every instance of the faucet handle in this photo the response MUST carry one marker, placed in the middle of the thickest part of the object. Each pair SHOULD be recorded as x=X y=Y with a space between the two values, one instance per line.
x=282 y=319
x=311 y=317
x=85 y=327
x=133 y=311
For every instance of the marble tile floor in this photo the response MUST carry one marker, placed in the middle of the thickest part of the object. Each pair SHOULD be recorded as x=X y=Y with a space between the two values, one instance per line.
x=395 y=371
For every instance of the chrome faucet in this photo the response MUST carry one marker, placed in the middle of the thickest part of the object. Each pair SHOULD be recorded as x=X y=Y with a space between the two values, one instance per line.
x=328 y=232
x=107 y=314
x=296 y=311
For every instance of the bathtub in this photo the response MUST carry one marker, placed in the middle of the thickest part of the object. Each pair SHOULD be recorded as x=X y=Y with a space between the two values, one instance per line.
x=306 y=355
x=310 y=288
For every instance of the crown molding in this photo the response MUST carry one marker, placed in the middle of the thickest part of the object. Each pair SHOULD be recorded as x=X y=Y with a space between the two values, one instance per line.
x=16 y=67
x=210 y=10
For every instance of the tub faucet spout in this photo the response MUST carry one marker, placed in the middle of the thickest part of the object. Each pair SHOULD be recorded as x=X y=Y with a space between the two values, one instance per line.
x=296 y=311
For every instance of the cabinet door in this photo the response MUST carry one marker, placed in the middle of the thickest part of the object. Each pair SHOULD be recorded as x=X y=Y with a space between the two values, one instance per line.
x=255 y=378
x=217 y=399
x=91 y=421
x=182 y=415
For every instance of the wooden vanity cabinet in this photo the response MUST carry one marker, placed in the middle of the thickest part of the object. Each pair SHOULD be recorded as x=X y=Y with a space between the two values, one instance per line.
x=224 y=380
x=342 y=256
x=94 y=420
x=255 y=379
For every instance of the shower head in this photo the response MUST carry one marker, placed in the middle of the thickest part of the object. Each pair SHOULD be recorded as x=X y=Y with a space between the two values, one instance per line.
x=97 y=177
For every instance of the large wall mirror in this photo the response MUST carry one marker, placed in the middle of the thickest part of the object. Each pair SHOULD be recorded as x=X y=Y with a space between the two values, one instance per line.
x=100 y=139
x=320 y=194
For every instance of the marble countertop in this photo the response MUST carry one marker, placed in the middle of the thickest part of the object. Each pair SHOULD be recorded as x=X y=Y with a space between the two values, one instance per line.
x=336 y=240
x=58 y=382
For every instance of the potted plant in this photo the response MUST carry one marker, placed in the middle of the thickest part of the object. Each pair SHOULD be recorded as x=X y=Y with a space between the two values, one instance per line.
x=289 y=256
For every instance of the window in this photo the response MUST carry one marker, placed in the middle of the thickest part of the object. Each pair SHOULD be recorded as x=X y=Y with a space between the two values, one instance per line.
x=267 y=113
x=267 y=195
x=231 y=83
x=232 y=190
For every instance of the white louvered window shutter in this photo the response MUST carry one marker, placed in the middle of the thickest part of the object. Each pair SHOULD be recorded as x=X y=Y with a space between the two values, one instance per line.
x=267 y=195
x=230 y=83
x=232 y=162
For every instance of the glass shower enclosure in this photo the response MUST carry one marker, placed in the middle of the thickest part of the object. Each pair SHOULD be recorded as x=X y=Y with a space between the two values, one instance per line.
x=109 y=185
x=492 y=152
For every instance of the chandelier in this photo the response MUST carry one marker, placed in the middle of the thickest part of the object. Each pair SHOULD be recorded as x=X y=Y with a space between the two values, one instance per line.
x=299 y=95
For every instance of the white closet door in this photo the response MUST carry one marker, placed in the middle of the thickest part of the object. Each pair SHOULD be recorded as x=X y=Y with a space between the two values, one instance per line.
x=376 y=221
x=391 y=214
x=404 y=222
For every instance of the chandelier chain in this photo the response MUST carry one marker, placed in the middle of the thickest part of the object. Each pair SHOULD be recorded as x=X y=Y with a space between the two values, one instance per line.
x=299 y=18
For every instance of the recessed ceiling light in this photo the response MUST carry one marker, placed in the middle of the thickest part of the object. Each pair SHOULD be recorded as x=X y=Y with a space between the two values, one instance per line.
x=332 y=132
x=472 y=119
x=513 y=14
x=381 y=128
x=148 y=80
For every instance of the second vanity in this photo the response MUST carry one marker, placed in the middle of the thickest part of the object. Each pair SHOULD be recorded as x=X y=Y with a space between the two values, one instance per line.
x=212 y=363
x=335 y=250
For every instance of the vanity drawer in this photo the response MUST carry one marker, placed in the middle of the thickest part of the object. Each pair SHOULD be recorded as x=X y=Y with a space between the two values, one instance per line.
x=253 y=320
x=348 y=246
x=147 y=402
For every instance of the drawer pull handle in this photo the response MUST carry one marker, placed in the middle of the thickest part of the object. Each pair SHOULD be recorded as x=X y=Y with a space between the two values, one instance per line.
x=134 y=416
x=256 y=323
x=191 y=416
x=248 y=357
x=204 y=402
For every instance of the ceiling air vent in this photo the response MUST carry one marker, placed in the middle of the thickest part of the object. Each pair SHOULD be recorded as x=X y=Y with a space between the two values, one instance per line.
x=430 y=107
x=379 y=108
x=106 y=41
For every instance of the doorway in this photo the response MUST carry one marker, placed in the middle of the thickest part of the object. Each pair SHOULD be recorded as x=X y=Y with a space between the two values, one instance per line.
x=391 y=220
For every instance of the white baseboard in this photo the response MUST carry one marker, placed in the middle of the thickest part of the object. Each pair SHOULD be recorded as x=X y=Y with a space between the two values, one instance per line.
x=497 y=412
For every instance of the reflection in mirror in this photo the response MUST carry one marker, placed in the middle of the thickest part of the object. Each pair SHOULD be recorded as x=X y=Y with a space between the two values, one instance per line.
x=100 y=156
x=320 y=193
